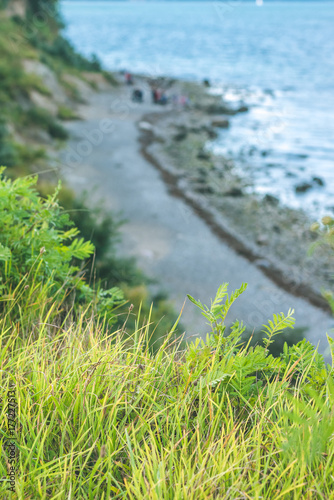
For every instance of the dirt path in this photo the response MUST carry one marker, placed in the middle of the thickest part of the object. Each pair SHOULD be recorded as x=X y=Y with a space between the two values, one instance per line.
x=171 y=243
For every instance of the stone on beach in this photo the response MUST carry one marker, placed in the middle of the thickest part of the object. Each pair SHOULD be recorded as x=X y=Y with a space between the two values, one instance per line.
x=221 y=123
x=146 y=126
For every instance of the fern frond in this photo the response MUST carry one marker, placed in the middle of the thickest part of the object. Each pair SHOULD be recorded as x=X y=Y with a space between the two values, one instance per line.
x=221 y=293
x=279 y=323
x=81 y=249
x=71 y=233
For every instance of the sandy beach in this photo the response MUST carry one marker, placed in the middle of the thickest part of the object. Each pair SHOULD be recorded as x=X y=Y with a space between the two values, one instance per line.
x=185 y=235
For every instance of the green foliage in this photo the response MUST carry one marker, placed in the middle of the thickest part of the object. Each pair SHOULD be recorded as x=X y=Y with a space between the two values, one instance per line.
x=60 y=48
x=110 y=78
x=257 y=337
x=39 y=245
x=102 y=229
x=101 y=417
x=29 y=155
x=31 y=231
x=244 y=368
x=14 y=82
x=216 y=314
x=3 y=4
x=8 y=154
x=279 y=323
x=309 y=427
x=57 y=131
x=42 y=118
x=65 y=113
x=38 y=6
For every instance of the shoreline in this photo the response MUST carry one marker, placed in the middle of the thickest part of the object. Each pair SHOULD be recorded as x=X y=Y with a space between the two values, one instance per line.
x=211 y=218
x=177 y=241
x=294 y=277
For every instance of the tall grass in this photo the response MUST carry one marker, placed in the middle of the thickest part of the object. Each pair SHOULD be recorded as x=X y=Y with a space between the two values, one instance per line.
x=100 y=416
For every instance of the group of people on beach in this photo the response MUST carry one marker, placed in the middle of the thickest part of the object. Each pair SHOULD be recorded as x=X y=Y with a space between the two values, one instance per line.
x=158 y=94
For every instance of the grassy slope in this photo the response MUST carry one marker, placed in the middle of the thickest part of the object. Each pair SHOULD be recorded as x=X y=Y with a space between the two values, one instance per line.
x=99 y=417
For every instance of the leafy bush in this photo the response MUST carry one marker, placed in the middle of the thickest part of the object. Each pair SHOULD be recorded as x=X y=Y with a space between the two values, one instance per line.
x=30 y=228
x=38 y=244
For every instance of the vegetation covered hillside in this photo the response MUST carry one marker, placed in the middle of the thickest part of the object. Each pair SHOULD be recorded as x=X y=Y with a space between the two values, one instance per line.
x=91 y=406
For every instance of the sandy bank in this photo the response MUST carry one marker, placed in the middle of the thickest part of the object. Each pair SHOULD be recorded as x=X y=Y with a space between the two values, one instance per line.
x=172 y=240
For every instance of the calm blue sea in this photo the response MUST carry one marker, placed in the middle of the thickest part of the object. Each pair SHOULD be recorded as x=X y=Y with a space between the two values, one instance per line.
x=278 y=58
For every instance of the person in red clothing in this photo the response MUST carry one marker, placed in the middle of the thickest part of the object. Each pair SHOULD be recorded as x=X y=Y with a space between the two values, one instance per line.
x=128 y=78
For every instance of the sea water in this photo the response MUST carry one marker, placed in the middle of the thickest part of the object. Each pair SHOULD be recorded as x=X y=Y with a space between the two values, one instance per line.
x=277 y=58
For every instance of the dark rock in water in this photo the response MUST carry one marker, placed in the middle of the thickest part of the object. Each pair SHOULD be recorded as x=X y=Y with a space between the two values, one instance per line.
x=303 y=187
x=206 y=83
x=272 y=200
x=203 y=155
x=290 y=174
x=205 y=189
x=319 y=181
x=217 y=109
x=264 y=153
x=298 y=156
x=181 y=136
x=235 y=192
x=181 y=128
x=212 y=134
x=262 y=239
x=276 y=229
x=243 y=109
x=220 y=123
x=252 y=150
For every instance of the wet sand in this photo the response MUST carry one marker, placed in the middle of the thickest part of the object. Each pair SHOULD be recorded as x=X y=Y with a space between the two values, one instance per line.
x=172 y=244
